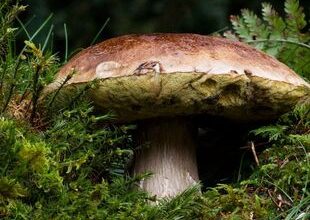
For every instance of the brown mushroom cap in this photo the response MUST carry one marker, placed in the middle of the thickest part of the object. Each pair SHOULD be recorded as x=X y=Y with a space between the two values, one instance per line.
x=146 y=76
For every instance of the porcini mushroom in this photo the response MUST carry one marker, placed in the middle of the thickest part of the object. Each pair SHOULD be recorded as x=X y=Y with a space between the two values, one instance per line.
x=162 y=81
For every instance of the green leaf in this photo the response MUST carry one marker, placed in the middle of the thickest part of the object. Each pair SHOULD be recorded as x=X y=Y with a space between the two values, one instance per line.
x=276 y=24
x=295 y=17
x=273 y=132
x=240 y=27
x=284 y=38
x=256 y=27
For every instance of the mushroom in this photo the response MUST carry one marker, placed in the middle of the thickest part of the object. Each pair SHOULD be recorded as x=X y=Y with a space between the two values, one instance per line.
x=164 y=81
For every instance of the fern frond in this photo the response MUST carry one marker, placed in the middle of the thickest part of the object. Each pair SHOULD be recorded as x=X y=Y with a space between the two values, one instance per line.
x=276 y=24
x=240 y=27
x=295 y=18
x=273 y=132
x=300 y=139
x=284 y=38
x=255 y=25
x=183 y=206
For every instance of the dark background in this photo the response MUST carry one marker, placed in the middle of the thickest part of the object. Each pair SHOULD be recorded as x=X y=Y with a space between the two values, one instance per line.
x=84 y=18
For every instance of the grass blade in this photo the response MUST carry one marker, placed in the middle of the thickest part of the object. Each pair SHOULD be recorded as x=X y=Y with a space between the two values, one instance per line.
x=66 y=42
x=99 y=32
x=48 y=37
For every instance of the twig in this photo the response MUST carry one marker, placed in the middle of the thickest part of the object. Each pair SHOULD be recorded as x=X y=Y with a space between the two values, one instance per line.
x=282 y=201
x=256 y=145
x=254 y=153
x=272 y=199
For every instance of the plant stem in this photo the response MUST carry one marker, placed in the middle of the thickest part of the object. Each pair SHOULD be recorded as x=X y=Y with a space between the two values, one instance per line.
x=2 y=75
x=279 y=40
x=58 y=90
x=35 y=92
x=24 y=94
x=13 y=84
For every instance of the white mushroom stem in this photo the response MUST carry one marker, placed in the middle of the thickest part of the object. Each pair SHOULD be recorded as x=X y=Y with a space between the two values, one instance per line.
x=169 y=152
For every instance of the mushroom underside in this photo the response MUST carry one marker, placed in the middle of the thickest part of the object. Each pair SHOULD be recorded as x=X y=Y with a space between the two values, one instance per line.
x=238 y=97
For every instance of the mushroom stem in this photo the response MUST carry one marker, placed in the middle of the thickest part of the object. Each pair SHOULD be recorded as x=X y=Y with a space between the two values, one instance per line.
x=169 y=152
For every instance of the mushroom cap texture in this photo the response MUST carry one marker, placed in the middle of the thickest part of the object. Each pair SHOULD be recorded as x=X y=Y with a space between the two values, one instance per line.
x=159 y=75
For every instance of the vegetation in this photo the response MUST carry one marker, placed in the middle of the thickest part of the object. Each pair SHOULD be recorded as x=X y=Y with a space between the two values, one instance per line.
x=283 y=37
x=71 y=163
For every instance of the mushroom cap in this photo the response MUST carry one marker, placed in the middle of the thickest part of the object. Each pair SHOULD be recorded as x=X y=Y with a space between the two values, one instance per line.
x=159 y=75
